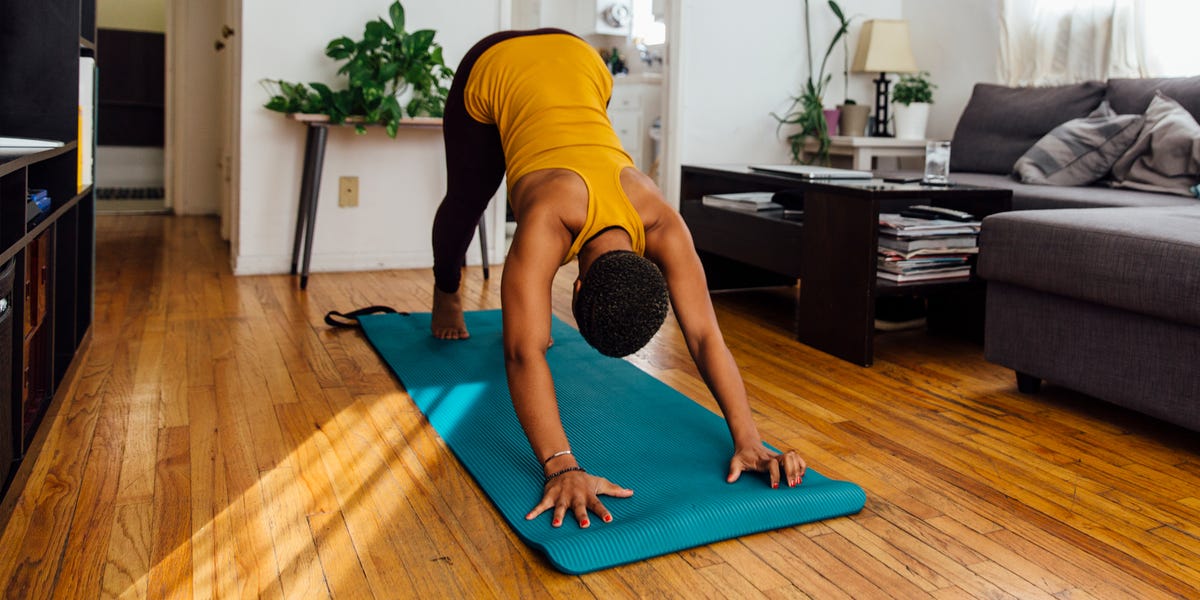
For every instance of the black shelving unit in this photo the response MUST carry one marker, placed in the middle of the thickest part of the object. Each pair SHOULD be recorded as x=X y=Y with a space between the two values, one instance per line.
x=47 y=257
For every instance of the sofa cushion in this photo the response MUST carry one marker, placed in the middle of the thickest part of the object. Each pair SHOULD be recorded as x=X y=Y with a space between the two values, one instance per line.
x=1134 y=95
x=1034 y=197
x=1142 y=260
x=1166 y=155
x=1000 y=123
x=1080 y=151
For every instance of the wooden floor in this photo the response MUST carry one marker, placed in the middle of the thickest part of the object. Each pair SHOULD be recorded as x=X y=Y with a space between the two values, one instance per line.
x=219 y=440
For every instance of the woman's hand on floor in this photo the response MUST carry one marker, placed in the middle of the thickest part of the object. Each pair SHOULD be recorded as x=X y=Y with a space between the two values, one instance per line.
x=578 y=492
x=787 y=466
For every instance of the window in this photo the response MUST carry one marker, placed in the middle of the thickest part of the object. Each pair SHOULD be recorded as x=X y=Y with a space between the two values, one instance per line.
x=1048 y=42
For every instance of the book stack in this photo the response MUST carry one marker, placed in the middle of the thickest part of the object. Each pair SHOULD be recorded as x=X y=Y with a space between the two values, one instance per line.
x=921 y=250
x=743 y=201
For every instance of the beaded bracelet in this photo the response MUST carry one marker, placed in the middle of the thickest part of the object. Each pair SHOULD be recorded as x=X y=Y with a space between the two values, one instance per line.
x=557 y=473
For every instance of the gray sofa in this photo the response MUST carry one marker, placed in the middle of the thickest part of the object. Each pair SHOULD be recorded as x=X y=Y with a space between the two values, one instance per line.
x=1089 y=287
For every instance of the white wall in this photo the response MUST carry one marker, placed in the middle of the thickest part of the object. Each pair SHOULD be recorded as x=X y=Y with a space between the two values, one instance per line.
x=959 y=44
x=401 y=181
x=733 y=68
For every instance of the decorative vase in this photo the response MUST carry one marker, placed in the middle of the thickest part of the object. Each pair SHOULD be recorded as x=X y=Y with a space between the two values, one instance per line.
x=910 y=120
x=831 y=120
x=853 y=121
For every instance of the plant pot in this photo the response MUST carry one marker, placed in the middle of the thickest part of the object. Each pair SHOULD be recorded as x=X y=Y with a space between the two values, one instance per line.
x=831 y=120
x=854 y=119
x=911 y=120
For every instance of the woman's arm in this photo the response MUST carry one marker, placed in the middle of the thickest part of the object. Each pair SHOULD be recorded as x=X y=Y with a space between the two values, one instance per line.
x=525 y=292
x=669 y=244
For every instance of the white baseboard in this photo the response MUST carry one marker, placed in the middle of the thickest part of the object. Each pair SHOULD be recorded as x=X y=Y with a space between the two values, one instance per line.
x=274 y=265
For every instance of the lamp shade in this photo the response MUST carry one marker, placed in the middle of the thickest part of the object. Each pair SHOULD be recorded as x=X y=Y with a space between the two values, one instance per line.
x=883 y=46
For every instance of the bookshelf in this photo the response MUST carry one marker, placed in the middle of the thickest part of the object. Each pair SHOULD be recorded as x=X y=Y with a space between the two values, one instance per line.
x=47 y=256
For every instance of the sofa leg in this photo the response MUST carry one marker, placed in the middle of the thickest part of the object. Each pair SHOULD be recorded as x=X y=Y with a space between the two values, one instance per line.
x=1028 y=384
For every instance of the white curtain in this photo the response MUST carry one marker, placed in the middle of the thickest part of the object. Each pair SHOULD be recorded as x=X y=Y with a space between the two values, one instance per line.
x=1051 y=42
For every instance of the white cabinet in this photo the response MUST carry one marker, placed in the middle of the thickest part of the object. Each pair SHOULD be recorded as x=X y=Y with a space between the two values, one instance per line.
x=636 y=102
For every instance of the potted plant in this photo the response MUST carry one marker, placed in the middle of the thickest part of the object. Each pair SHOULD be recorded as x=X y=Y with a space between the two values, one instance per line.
x=912 y=96
x=386 y=65
x=852 y=116
x=807 y=110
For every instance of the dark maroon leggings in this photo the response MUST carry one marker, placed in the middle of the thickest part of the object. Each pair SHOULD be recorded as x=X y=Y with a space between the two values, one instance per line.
x=474 y=169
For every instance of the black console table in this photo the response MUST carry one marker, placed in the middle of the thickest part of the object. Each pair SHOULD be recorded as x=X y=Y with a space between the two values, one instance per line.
x=832 y=251
x=310 y=186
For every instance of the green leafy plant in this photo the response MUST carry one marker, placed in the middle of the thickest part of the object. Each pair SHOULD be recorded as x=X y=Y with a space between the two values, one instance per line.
x=808 y=109
x=913 y=88
x=844 y=23
x=386 y=63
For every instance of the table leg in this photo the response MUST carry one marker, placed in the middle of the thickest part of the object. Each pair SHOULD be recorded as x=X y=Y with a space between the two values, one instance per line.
x=864 y=159
x=483 y=245
x=836 y=309
x=302 y=205
x=312 y=178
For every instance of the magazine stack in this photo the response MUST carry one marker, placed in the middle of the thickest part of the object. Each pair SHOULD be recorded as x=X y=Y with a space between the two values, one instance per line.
x=925 y=250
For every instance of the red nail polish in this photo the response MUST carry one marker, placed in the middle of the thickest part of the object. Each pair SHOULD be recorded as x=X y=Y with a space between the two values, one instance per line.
x=775 y=485
x=608 y=518
x=556 y=523
x=584 y=523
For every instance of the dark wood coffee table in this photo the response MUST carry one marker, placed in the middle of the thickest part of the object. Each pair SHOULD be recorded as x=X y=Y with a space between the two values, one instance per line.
x=832 y=252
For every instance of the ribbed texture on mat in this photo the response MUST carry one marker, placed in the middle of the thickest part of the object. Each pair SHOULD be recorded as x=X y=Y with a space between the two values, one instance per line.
x=623 y=424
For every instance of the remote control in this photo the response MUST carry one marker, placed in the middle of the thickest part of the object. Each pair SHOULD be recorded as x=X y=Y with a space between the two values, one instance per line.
x=923 y=211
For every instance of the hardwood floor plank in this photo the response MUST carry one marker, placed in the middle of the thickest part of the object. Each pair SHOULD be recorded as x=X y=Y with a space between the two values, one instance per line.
x=207 y=483
x=730 y=581
x=285 y=504
x=171 y=524
x=677 y=574
x=95 y=511
x=344 y=572
x=370 y=531
x=884 y=554
x=127 y=563
x=173 y=383
x=933 y=558
x=810 y=567
x=738 y=554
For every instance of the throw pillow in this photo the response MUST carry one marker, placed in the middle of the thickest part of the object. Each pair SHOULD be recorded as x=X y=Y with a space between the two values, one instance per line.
x=1166 y=155
x=1080 y=151
x=1000 y=123
x=1132 y=96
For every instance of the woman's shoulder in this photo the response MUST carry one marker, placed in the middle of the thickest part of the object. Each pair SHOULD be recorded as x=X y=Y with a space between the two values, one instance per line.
x=646 y=197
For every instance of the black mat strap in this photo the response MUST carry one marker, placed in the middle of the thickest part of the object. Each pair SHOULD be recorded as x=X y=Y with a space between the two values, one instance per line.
x=349 y=320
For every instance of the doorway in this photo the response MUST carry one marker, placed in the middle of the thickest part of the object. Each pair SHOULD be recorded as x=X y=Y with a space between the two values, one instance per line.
x=131 y=118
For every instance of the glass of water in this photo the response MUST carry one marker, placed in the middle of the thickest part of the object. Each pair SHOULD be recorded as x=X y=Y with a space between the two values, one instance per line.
x=937 y=163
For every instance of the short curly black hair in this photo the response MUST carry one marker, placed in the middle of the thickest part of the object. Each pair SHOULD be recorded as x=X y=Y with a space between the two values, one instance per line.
x=621 y=303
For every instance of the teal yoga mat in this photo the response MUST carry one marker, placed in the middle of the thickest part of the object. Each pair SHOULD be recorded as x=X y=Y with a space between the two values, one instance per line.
x=623 y=424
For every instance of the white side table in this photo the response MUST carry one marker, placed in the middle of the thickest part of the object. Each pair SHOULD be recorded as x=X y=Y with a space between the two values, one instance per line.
x=862 y=151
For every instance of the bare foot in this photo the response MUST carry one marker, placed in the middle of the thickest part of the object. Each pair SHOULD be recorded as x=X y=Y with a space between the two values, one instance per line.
x=448 y=323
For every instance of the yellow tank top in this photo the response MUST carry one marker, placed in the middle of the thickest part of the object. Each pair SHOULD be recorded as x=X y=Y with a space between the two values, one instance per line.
x=547 y=95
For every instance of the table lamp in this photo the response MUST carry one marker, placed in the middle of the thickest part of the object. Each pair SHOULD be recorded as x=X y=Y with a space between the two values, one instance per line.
x=883 y=48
